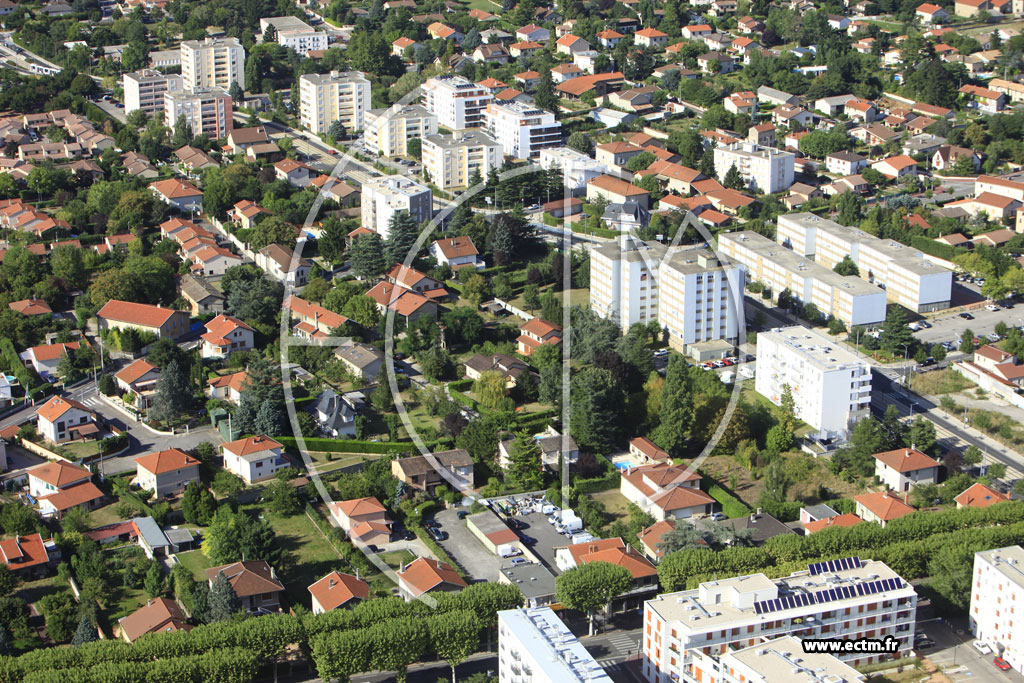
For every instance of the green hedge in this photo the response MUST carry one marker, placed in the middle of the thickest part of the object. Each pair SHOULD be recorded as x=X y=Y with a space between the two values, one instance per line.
x=606 y=482
x=466 y=400
x=349 y=445
x=731 y=505
x=597 y=232
x=933 y=248
x=13 y=365
x=461 y=384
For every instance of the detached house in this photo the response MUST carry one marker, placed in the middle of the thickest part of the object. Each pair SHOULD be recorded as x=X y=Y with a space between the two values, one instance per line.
x=224 y=335
x=615 y=551
x=45 y=359
x=650 y=37
x=138 y=379
x=165 y=323
x=881 y=507
x=419 y=473
x=255 y=583
x=178 y=194
x=904 y=468
x=424 y=575
x=570 y=45
x=166 y=472
x=280 y=263
x=365 y=520
x=64 y=419
x=59 y=486
x=665 y=491
x=896 y=167
x=337 y=590
x=457 y=252
x=26 y=556
x=254 y=458
x=647 y=452
x=535 y=333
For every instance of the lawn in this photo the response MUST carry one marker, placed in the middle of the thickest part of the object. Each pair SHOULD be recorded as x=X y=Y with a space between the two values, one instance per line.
x=129 y=600
x=78 y=450
x=104 y=516
x=196 y=562
x=615 y=505
x=397 y=558
x=940 y=382
x=486 y=5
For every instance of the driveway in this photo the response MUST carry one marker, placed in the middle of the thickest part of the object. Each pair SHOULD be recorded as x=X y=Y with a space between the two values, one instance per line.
x=547 y=539
x=479 y=563
x=956 y=656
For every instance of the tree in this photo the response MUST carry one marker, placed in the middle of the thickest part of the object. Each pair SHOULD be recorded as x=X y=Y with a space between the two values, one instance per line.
x=223 y=602
x=455 y=636
x=544 y=96
x=283 y=498
x=6 y=648
x=363 y=311
x=682 y=536
x=707 y=164
x=368 y=256
x=733 y=180
x=597 y=399
x=524 y=468
x=402 y=234
x=676 y=408
x=66 y=264
x=895 y=332
x=846 y=267
x=972 y=456
x=85 y=633
x=8 y=581
x=173 y=394
x=531 y=297
x=331 y=242
x=272 y=230
x=182 y=132
x=592 y=586
x=198 y=504
x=154 y=583
x=581 y=142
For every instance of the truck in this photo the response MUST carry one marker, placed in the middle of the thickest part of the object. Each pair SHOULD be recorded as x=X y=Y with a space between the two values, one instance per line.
x=584 y=537
x=569 y=523
x=508 y=550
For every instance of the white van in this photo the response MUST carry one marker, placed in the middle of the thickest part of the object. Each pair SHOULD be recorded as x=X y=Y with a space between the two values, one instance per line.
x=508 y=550
x=982 y=647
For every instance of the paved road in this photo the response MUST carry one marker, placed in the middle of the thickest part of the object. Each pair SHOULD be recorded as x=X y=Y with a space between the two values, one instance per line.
x=956 y=656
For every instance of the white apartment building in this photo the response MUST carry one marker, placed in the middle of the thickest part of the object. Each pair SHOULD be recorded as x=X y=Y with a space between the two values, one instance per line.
x=207 y=110
x=997 y=589
x=764 y=169
x=534 y=645
x=212 y=63
x=577 y=168
x=842 y=599
x=905 y=273
x=831 y=387
x=389 y=130
x=522 y=129
x=624 y=281
x=781 y=660
x=845 y=297
x=145 y=90
x=450 y=161
x=456 y=101
x=295 y=33
x=338 y=96
x=385 y=196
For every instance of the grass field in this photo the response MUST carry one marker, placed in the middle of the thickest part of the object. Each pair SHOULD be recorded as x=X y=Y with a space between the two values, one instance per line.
x=397 y=558
x=196 y=562
x=309 y=556
x=615 y=505
x=104 y=516
x=939 y=382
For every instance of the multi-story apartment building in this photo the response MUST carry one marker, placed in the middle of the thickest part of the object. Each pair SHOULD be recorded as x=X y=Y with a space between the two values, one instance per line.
x=831 y=387
x=624 y=281
x=295 y=33
x=389 y=130
x=781 y=660
x=534 y=645
x=207 y=110
x=838 y=599
x=522 y=129
x=764 y=169
x=145 y=90
x=845 y=297
x=577 y=168
x=338 y=96
x=212 y=63
x=997 y=589
x=383 y=197
x=906 y=274
x=450 y=161
x=456 y=101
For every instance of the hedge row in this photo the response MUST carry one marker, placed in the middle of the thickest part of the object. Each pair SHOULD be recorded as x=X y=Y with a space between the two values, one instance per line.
x=731 y=505
x=606 y=482
x=461 y=384
x=13 y=365
x=933 y=248
x=349 y=445
x=232 y=665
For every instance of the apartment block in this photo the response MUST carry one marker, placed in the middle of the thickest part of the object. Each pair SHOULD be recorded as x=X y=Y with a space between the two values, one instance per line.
x=451 y=161
x=905 y=273
x=780 y=660
x=846 y=297
x=577 y=168
x=831 y=386
x=624 y=281
x=295 y=33
x=338 y=96
x=522 y=129
x=383 y=197
x=997 y=589
x=764 y=169
x=145 y=90
x=389 y=130
x=212 y=63
x=840 y=599
x=456 y=101
x=534 y=645
x=207 y=110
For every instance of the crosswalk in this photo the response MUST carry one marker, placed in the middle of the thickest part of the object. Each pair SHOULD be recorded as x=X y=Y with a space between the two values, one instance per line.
x=623 y=643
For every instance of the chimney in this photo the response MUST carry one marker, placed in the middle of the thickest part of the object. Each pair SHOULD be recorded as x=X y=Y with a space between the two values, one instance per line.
x=330 y=583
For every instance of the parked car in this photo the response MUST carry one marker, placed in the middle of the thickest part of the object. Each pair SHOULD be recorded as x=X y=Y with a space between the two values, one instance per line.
x=924 y=644
x=431 y=524
x=928 y=361
x=982 y=647
x=517 y=561
x=437 y=534
x=1001 y=664
x=991 y=307
x=462 y=514
x=966 y=316
x=993 y=337
x=719 y=516
x=528 y=540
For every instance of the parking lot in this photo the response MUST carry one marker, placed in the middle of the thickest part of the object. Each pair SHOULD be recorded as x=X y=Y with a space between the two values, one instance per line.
x=950 y=326
x=479 y=563
x=547 y=539
x=957 y=657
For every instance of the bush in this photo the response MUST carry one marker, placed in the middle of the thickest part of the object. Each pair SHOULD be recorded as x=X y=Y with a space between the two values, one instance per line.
x=349 y=445
x=731 y=505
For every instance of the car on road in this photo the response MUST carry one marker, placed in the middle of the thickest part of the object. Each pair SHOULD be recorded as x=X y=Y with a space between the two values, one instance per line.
x=528 y=540
x=929 y=361
x=982 y=647
x=949 y=346
x=966 y=316
x=661 y=352
x=462 y=514
x=1001 y=664
x=437 y=534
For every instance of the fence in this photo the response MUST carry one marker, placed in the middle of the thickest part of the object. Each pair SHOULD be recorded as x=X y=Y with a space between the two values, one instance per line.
x=33 y=447
x=515 y=310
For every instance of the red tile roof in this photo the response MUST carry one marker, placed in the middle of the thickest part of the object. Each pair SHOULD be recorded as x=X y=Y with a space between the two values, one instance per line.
x=884 y=506
x=423 y=575
x=145 y=315
x=648 y=448
x=137 y=369
x=173 y=188
x=159 y=615
x=67 y=498
x=905 y=460
x=337 y=589
x=31 y=306
x=359 y=506
x=165 y=461
x=54 y=351
x=980 y=496
x=22 y=552
x=846 y=520
x=251 y=444
x=248 y=578
x=57 y=406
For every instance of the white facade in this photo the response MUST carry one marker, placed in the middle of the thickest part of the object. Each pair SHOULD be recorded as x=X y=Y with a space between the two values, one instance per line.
x=521 y=129
x=389 y=130
x=255 y=466
x=450 y=161
x=908 y=278
x=624 y=282
x=764 y=169
x=207 y=110
x=383 y=197
x=534 y=645
x=997 y=589
x=456 y=101
x=781 y=660
x=845 y=297
x=577 y=168
x=212 y=63
x=831 y=387
x=338 y=96
x=294 y=33
x=841 y=599
x=145 y=90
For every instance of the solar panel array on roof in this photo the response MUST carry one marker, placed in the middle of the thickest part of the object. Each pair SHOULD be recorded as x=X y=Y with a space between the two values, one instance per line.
x=828 y=595
x=835 y=565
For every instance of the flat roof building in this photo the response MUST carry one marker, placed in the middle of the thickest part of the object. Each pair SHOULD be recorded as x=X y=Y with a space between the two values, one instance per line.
x=145 y=90
x=336 y=96
x=389 y=130
x=451 y=161
x=535 y=640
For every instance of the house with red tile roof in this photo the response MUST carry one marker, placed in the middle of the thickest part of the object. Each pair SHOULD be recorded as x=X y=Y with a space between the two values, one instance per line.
x=896 y=167
x=979 y=496
x=536 y=333
x=159 y=615
x=246 y=213
x=59 y=486
x=254 y=458
x=616 y=191
x=399 y=46
x=166 y=472
x=609 y=38
x=650 y=37
x=646 y=451
x=255 y=582
x=525 y=48
x=665 y=491
x=227 y=387
x=845 y=520
x=165 y=323
x=570 y=44
x=45 y=359
x=31 y=307
x=336 y=591
x=905 y=468
x=225 y=335
x=139 y=379
x=614 y=551
x=599 y=84
x=26 y=556
x=457 y=252
x=64 y=419
x=365 y=520
x=178 y=194
x=314 y=321
x=881 y=507
x=404 y=302
x=424 y=575
x=930 y=13
x=651 y=536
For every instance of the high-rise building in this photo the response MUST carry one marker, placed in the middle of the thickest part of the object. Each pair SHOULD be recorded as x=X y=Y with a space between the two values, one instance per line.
x=389 y=130
x=840 y=599
x=764 y=169
x=338 y=96
x=456 y=101
x=534 y=645
x=997 y=589
x=831 y=387
x=383 y=197
x=145 y=90
x=212 y=63
x=522 y=129
x=845 y=297
x=208 y=110
x=908 y=276
x=450 y=161
x=295 y=33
